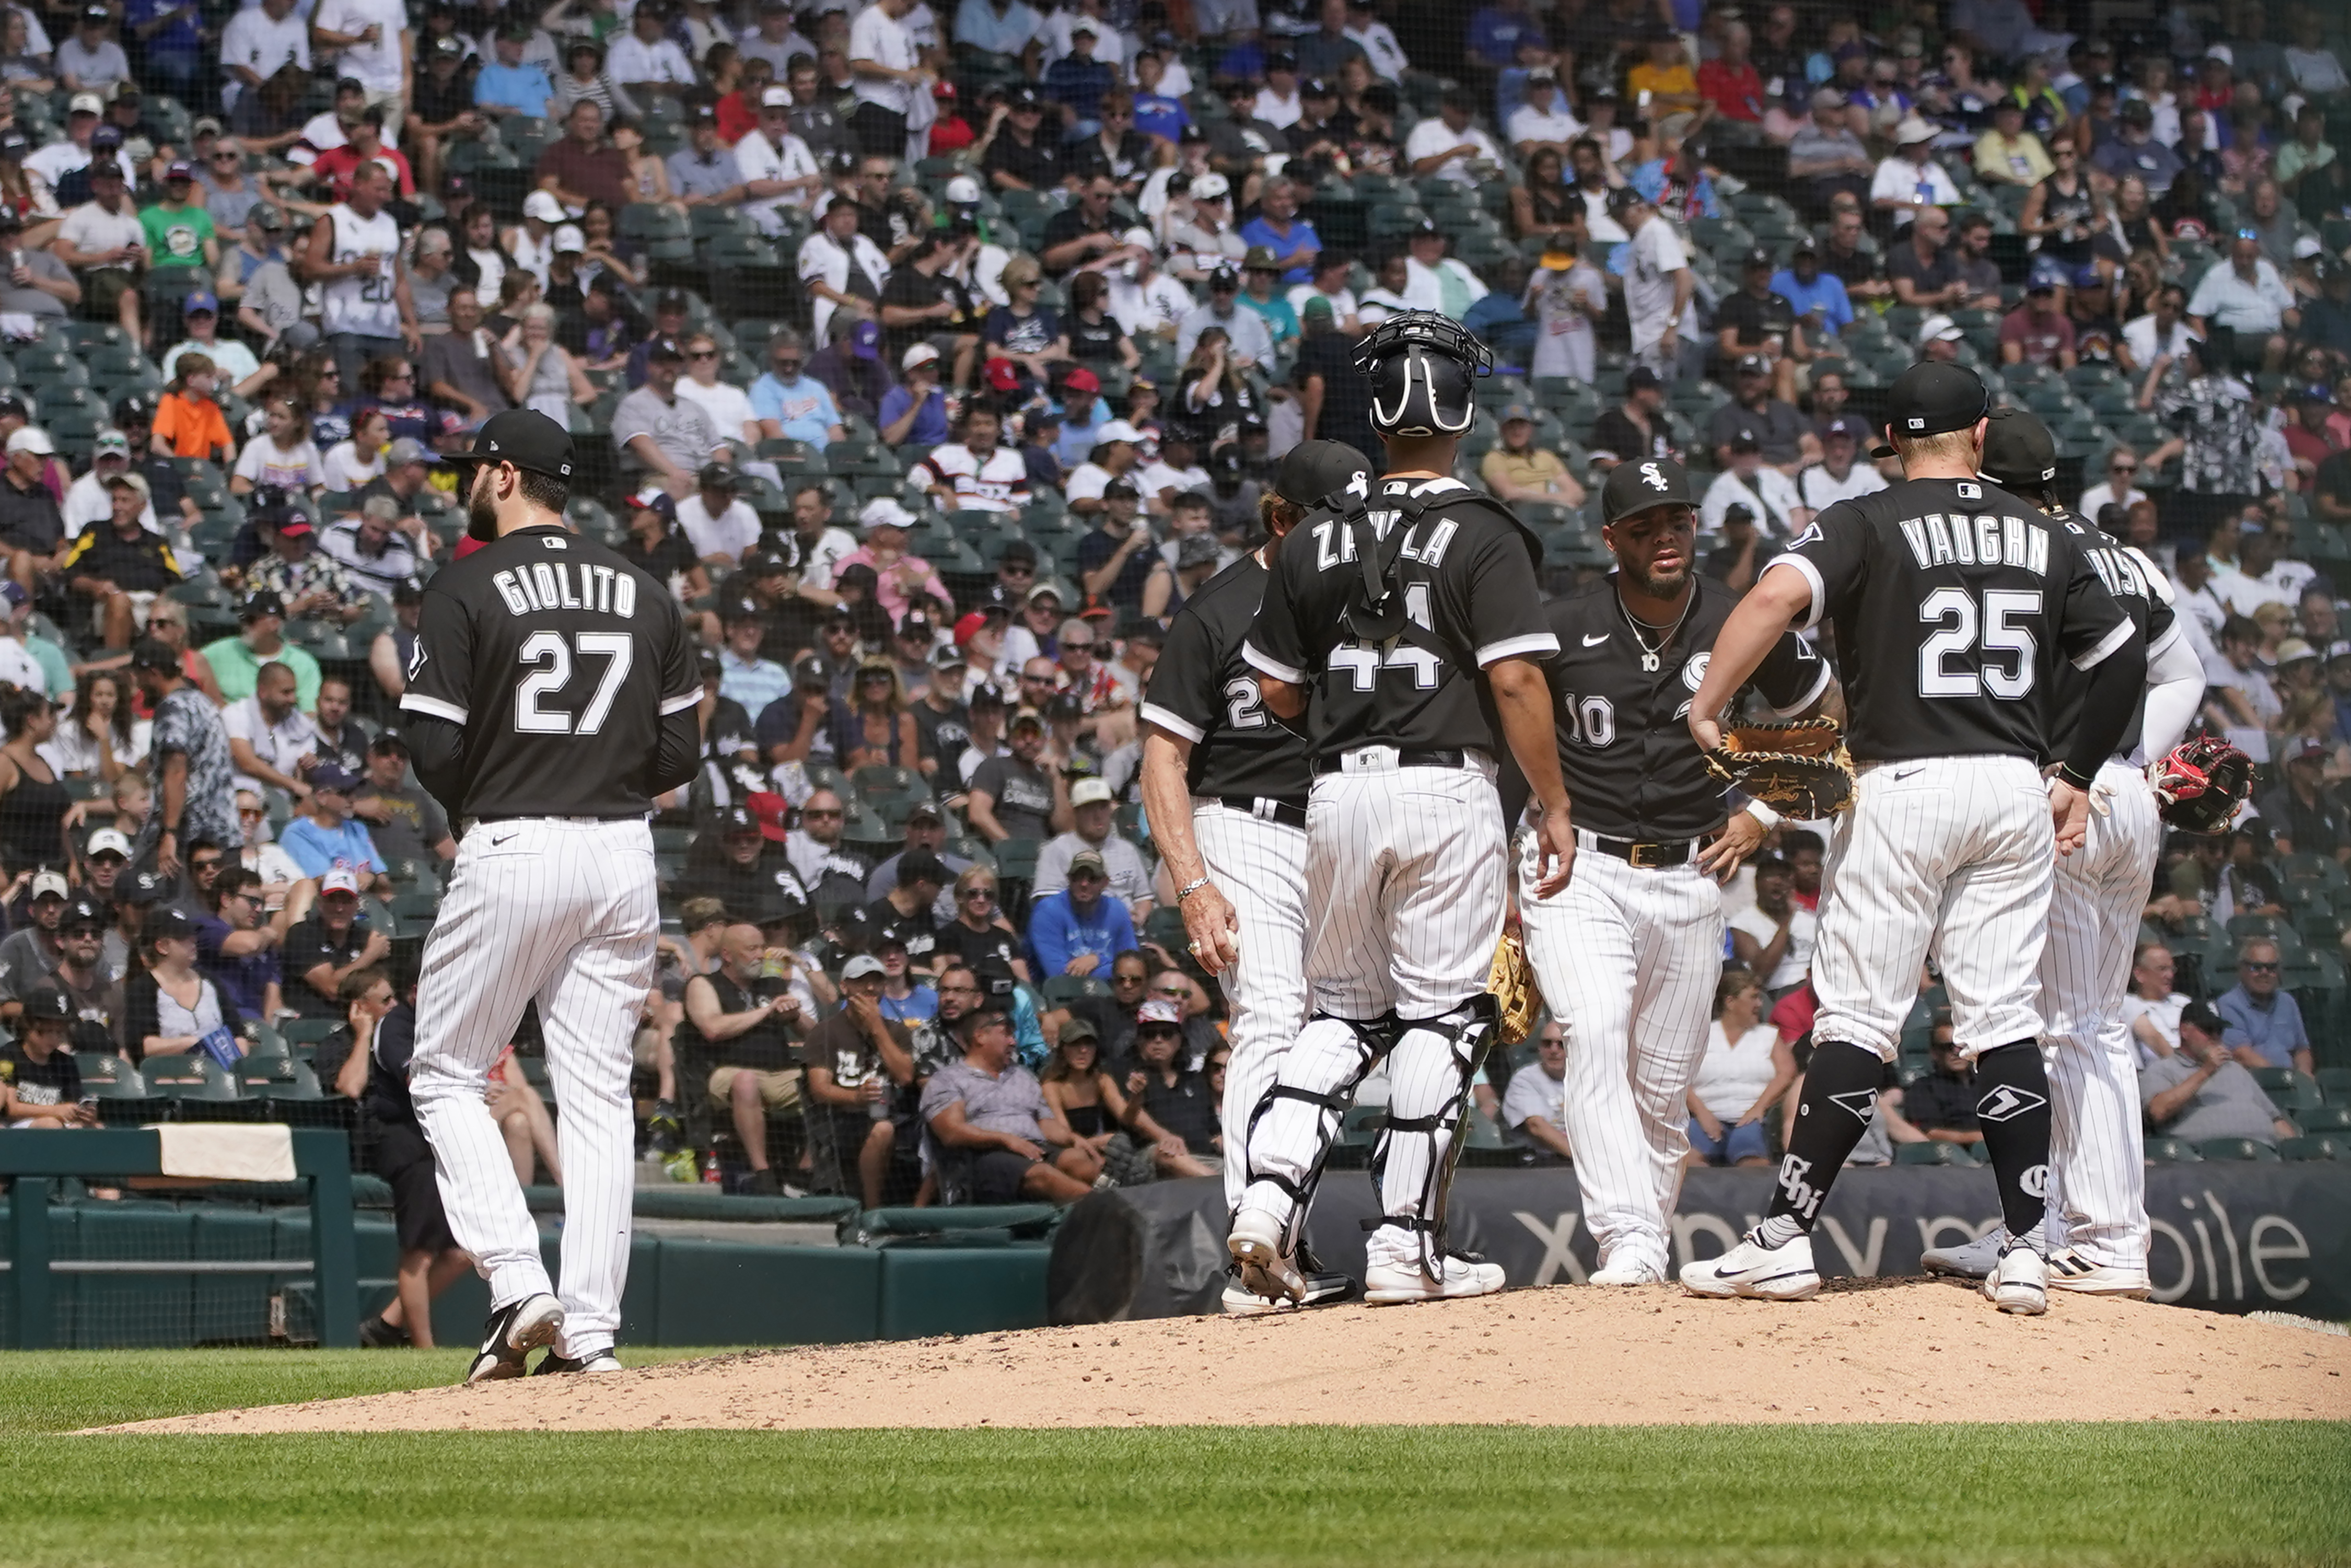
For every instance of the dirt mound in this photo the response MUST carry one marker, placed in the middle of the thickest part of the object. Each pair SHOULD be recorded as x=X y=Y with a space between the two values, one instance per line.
x=1874 y=1351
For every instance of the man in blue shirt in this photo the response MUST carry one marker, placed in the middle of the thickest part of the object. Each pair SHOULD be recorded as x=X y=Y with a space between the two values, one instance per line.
x=1816 y=296
x=1082 y=415
x=325 y=837
x=1280 y=229
x=915 y=411
x=1155 y=113
x=507 y=86
x=2265 y=1024
x=174 y=41
x=1079 y=930
x=236 y=949
x=996 y=26
x=790 y=404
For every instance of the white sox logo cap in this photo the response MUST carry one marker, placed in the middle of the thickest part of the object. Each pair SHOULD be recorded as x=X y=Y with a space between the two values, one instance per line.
x=1637 y=486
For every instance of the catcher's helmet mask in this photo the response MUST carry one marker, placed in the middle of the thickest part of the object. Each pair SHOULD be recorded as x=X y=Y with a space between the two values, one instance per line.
x=1421 y=368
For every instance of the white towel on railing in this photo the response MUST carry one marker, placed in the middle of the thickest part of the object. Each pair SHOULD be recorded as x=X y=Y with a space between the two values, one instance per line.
x=227 y=1153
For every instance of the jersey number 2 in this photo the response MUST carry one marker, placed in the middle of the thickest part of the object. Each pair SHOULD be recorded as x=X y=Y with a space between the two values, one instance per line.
x=2000 y=633
x=549 y=658
x=1244 y=706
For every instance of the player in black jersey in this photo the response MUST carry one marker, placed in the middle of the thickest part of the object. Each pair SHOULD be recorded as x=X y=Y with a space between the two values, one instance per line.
x=1629 y=952
x=552 y=696
x=1406 y=611
x=2097 y=1229
x=1224 y=789
x=1953 y=604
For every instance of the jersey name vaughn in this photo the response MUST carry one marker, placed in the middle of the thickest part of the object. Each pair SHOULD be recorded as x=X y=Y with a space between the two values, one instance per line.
x=1983 y=539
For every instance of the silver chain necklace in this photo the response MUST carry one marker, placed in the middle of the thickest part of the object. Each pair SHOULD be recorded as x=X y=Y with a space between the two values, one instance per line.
x=1651 y=653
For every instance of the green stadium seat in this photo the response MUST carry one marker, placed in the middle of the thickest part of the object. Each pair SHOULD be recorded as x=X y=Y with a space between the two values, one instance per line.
x=189 y=1076
x=109 y=1077
x=1932 y=1153
x=307 y=1031
x=2236 y=1149
x=2289 y=1091
x=2314 y=1148
x=2165 y=1151
x=2323 y=1118
x=1060 y=990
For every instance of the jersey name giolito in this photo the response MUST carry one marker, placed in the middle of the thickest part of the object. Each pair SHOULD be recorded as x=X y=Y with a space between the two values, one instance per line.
x=551 y=585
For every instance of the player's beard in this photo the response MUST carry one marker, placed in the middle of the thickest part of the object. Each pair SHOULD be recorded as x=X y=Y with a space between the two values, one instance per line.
x=1661 y=585
x=481 y=514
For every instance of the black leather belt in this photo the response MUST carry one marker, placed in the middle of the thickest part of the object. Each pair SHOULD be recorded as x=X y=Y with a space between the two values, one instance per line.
x=1268 y=808
x=1447 y=758
x=1644 y=856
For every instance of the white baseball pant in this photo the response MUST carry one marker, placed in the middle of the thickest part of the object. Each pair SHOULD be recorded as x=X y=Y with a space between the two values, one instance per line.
x=1260 y=867
x=1627 y=961
x=1948 y=855
x=2097 y=1201
x=1404 y=880
x=562 y=910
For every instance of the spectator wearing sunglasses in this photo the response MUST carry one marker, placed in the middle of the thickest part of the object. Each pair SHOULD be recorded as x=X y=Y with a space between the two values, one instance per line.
x=2261 y=1022
x=2119 y=487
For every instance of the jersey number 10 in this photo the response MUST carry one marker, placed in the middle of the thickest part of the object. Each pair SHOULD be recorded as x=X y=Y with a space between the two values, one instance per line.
x=2001 y=632
x=549 y=658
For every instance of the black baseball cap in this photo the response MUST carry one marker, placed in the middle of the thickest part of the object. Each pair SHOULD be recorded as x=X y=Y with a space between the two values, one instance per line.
x=524 y=437
x=1637 y=486
x=1313 y=469
x=47 y=1004
x=154 y=653
x=140 y=887
x=2018 y=451
x=169 y=920
x=261 y=602
x=82 y=911
x=1931 y=398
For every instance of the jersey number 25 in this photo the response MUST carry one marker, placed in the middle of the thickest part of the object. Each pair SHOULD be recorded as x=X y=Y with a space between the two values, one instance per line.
x=549 y=661
x=1988 y=642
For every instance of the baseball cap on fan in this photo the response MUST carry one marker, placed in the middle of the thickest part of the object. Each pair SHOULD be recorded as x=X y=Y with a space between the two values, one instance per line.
x=1931 y=398
x=2019 y=453
x=1638 y=486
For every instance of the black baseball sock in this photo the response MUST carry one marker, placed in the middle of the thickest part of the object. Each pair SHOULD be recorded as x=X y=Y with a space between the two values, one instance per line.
x=2012 y=1107
x=1839 y=1096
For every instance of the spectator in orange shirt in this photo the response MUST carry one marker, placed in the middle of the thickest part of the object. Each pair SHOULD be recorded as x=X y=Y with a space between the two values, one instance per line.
x=1731 y=81
x=188 y=423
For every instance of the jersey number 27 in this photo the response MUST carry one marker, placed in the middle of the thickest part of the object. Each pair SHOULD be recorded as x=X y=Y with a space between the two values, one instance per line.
x=548 y=658
x=2000 y=633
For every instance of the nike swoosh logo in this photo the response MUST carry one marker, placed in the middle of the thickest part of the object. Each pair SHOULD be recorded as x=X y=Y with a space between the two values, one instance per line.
x=1907 y=772
x=1595 y=641
x=497 y=839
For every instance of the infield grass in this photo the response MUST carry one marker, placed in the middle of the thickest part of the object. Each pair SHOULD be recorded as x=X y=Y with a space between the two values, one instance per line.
x=2130 y=1496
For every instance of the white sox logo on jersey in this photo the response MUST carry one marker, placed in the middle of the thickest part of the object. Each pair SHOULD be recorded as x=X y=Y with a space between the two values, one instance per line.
x=2007 y=1102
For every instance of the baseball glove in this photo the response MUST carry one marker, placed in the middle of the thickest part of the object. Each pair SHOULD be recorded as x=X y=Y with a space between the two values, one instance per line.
x=2201 y=783
x=1511 y=983
x=1800 y=770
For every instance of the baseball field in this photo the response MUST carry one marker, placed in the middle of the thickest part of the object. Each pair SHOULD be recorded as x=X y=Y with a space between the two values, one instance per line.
x=1891 y=1425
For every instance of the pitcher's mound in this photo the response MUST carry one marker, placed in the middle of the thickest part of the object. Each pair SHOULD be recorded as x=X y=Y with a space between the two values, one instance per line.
x=1568 y=1356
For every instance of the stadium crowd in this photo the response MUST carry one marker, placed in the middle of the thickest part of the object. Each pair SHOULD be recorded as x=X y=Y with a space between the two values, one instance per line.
x=935 y=357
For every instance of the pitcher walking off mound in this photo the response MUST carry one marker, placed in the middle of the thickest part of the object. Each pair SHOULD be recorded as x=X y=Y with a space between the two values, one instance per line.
x=1225 y=788
x=1953 y=602
x=552 y=695
x=1407 y=611
x=2098 y=1226
x=1628 y=953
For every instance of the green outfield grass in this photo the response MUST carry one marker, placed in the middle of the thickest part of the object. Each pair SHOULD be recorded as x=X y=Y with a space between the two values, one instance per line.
x=2131 y=1496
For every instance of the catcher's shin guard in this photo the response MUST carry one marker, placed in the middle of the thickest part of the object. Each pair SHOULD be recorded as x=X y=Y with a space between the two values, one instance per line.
x=1372 y=1040
x=1467 y=1031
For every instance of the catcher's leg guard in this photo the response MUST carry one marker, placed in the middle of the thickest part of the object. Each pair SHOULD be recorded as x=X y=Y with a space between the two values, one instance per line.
x=1291 y=1130
x=1430 y=1071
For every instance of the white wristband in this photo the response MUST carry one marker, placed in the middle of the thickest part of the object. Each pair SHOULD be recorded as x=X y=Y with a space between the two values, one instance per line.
x=1763 y=815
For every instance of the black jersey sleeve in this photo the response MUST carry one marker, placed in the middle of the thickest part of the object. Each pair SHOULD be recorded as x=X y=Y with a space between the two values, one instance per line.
x=1277 y=640
x=1505 y=605
x=1185 y=696
x=2092 y=625
x=679 y=749
x=435 y=708
x=1830 y=554
x=1792 y=677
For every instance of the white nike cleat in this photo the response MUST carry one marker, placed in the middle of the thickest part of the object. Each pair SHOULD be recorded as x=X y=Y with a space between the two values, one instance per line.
x=1632 y=1271
x=2020 y=1283
x=2069 y=1270
x=1969 y=1260
x=1266 y=1269
x=1750 y=1269
x=1460 y=1274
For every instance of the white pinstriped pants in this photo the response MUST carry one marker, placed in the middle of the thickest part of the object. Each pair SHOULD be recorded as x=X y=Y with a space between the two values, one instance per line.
x=563 y=911
x=1259 y=866
x=1404 y=880
x=2097 y=1197
x=1627 y=961
x=1948 y=855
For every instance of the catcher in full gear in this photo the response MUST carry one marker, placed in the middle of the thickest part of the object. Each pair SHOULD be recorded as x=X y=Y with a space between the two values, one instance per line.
x=1628 y=953
x=1402 y=627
